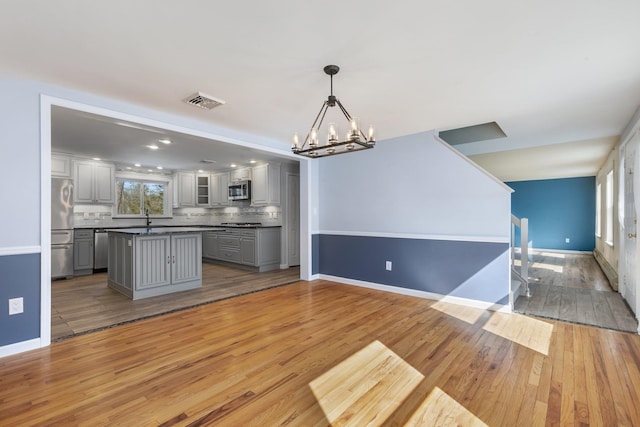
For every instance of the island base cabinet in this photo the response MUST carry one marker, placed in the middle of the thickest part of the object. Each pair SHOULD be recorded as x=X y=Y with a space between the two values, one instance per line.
x=153 y=266
x=146 y=266
x=186 y=258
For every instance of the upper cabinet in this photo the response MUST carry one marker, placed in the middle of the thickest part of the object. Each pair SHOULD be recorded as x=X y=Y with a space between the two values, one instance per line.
x=203 y=181
x=219 y=189
x=243 y=174
x=265 y=185
x=60 y=166
x=186 y=189
x=94 y=182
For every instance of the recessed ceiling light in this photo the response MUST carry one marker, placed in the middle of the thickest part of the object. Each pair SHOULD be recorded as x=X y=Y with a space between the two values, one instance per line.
x=165 y=141
x=159 y=167
x=200 y=171
x=152 y=146
x=129 y=168
x=233 y=165
x=96 y=158
x=149 y=170
x=252 y=161
x=137 y=165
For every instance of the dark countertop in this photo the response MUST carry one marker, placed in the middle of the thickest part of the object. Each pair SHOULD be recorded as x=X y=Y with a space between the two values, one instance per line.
x=92 y=227
x=144 y=231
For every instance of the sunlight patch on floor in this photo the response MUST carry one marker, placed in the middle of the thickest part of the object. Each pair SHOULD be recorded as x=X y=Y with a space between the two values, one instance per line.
x=366 y=388
x=526 y=331
x=460 y=312
x=552 y=255
x=554 y=268
x=440 y=409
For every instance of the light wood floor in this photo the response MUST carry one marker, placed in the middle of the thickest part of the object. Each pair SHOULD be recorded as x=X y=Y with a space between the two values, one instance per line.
x=573 y=288
x=85 y=303
x=320 y=353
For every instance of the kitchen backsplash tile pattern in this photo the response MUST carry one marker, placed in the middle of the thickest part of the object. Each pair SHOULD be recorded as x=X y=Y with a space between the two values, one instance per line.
x=102 y=216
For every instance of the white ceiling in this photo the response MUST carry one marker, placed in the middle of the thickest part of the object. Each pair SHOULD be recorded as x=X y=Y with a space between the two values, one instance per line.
x=548 y=72
x=126 y=143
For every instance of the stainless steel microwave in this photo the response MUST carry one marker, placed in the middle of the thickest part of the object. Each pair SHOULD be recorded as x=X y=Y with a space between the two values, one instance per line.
x=240 y=190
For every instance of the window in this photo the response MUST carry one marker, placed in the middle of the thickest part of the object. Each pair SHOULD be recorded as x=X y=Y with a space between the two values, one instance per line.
x=599 y=210
x=608 y=237
x=135 y=196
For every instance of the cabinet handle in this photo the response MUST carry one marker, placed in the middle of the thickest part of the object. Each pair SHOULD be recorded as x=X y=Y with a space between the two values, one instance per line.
x=168 y=259
x=631 y=235
x=174 y=259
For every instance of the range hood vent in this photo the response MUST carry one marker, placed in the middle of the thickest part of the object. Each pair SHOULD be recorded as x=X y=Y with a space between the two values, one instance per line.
x=203 y=101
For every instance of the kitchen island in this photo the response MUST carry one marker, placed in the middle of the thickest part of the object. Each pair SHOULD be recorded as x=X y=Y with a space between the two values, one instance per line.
x=146 y=262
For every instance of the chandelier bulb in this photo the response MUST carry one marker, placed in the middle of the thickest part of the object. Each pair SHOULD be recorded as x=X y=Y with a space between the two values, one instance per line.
x=296 y=141
x=370 y=137
x=333 y=134
x=313 y=137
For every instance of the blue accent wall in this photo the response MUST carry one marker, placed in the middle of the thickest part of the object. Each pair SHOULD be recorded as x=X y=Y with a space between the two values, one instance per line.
x=20 y=277
x=557 y=209
x=474 y=270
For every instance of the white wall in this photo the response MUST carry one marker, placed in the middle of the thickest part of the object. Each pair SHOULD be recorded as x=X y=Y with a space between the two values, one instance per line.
x=19 y=164
x=414 y=185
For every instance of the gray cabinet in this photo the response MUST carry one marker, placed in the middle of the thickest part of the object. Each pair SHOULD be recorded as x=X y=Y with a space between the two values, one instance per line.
x=256 y=247
x=229 y=246
x=82 y=252
x=265 y=185
x=186 y=189
x=219 y=189
x=60 y=166
x=248 y=249
x=142 y=266
x=242 y=174
x=94 y=182
x=186 y=258
x=203 y=189
x=210 y=244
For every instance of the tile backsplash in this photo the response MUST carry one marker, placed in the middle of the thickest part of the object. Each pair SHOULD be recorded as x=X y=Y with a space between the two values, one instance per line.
x=102 y=216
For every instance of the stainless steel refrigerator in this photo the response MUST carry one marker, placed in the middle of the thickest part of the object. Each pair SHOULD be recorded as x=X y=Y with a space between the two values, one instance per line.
x=61 y=228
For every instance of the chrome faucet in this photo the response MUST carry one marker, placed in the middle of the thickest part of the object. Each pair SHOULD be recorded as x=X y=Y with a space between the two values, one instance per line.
x=148 y=220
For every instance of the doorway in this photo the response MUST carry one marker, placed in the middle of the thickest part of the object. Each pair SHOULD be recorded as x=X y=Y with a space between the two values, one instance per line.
x=46 y=105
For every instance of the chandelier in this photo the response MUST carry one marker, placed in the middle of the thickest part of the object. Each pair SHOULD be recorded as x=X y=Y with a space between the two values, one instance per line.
x=354 y=140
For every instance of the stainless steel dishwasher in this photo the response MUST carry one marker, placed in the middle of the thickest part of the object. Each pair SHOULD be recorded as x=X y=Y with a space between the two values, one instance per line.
x=100 y=249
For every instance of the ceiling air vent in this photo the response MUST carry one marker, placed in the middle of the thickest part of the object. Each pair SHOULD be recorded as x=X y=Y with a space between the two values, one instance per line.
x=203 y=101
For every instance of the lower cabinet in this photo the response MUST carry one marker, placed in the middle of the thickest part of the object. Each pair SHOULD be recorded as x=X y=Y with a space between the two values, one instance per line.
x=210 y=244
x=256 y=247
x=82 y=252
x=145 y=266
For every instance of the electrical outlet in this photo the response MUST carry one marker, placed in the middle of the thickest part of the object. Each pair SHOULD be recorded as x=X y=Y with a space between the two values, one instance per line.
x=388 y=265
x=567 y=240
x=16 y=305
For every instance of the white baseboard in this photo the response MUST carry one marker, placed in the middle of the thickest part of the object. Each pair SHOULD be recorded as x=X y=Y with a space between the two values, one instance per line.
x=420 y=294
x=560 y=251
x=20 y=347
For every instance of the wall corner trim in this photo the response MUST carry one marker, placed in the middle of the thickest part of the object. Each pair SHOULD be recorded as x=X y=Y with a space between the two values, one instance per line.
x=20 y=250
x=420 y=294
x=474 y=164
